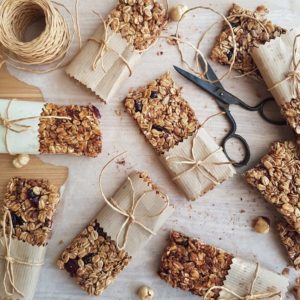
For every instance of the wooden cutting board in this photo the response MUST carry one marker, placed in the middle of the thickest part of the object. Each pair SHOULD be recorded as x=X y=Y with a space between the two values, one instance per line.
x=12 y=88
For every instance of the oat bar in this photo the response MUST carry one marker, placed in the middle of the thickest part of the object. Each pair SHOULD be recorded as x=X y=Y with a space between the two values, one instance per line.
x=49 y=128
x=290 y=238
x=162 y=114
x=248 y=33
x=277 y=178
x=96 y=256
x=193 y=266
x=32 y=204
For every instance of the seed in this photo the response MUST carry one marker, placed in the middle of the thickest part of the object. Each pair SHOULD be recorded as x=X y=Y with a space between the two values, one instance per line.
x=262 y=225
x=138 y=106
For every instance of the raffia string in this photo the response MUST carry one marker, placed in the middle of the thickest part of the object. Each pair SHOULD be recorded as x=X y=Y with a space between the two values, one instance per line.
x=202 y=165
x=44 y=53
x=294 y=74
x=250 y=296
x=15 y=126
x=104 y=45
x=130 y=213
x=9 y=279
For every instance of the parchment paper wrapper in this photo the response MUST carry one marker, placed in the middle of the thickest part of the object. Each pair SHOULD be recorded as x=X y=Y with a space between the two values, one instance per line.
x=194 y=183
x=104 y=82
x=242 y=274
x=150 y=205
x=26 y=142
x=25 y=277
x=274 y=61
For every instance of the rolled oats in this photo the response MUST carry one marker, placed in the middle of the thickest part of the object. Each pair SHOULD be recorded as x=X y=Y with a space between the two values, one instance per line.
x=277 y=177
x=32 y=204
x=248 y=33
x=193 y=266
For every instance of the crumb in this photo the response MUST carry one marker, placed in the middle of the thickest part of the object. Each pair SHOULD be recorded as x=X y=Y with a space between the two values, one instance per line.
x=242 y=211
x=60 y=242
x=297 y=281
x=118 y=112
x=285 y=272
x=121 y=162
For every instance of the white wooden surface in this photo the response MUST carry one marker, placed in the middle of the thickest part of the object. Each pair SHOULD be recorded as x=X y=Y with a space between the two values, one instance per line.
x=223 y=217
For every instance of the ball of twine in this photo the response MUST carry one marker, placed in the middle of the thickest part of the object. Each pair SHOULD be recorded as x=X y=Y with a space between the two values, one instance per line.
x=48 y=49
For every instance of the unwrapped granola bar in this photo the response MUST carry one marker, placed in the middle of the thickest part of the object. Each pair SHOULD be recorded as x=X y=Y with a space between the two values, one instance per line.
x=31 y=204
x=277 y=178
x=248 y=34
x=170 y=125
x=194 y=266
x=104 y=248
x=39 y=128
x=110 y=54
x=290 y=239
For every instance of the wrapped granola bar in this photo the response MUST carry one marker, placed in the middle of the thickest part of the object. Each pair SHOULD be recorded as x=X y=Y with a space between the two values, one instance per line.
x=250 y=31
x=39 y=128
x=27 y=216
x=169 y=124
x=111 y=53
x=207 y=271
x=278 y=62
x=105 y=247
x=277 y=178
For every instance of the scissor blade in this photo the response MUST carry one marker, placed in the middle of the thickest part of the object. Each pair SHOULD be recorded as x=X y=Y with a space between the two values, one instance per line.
x=208 y=87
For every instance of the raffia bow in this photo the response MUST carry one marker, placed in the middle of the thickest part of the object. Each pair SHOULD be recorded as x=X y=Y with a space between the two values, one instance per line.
x=9 y=278
x=294 y=74
x=15 y=126
x=130 y=213
x=250 y=296
x=104 y=46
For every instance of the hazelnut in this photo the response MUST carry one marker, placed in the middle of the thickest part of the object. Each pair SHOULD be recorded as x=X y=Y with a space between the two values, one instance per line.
x=262 y=225
x=145 y=293
x=177 y=12
x=21 y=160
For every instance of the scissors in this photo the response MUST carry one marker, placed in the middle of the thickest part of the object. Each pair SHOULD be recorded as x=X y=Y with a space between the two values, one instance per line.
x=224 y=99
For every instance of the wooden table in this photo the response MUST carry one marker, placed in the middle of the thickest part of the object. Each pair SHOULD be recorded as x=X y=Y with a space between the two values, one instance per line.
x=223 y=217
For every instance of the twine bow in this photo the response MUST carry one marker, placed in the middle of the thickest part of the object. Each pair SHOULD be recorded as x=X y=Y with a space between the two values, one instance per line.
x=15 y=125
x=130 y=213
x=251 y=295
x=9 y=278
x=104 y=46
x=294 y=74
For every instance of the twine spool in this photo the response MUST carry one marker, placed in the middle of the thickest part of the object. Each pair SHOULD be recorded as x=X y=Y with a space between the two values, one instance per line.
x=48 y=49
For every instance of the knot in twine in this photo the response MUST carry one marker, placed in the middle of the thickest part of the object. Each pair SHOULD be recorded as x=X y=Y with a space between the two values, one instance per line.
x=202 y=165
x=294 y=74
x=250 y=295
x=14 y=125
x=9 y=279
x=130 y=213
x=104 y=45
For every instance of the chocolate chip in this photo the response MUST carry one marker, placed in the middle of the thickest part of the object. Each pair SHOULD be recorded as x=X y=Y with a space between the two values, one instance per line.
x=16 y=220
x=159 y=128
x=33 y=198
x=96 y=112
x=88 y=258
x=154 y=94
x=100 y=230
x=138 y=106
x=230 y=54
x=72 y=266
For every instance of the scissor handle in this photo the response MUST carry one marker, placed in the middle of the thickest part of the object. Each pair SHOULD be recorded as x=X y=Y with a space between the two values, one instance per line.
x=245 y=145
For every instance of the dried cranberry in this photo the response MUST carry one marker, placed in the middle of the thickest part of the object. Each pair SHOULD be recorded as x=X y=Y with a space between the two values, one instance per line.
x=33 y=198
x=88 y=258
x=154 y=94
x=16 y=220
x=159 y=128
x=138 y=106
x=100 y=230
x=72 y=266
x=96 y=112
x=230 y=54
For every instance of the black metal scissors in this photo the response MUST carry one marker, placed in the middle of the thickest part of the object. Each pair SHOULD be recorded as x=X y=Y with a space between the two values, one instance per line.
x=224 y=100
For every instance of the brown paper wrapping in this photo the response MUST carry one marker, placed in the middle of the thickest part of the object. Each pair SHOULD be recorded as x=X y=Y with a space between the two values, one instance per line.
x=104 y=83
x=151 y=204
x=25 y=277
x=274 y=61
x=242 y=274
x=194 y=183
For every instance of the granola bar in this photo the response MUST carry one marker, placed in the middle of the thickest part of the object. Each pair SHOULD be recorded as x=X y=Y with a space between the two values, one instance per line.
x=95 y=257
x=248 y=34
x=164 y=117
x=277 y=178
x=291 y=241
x=32 y=204
x=193 y=266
